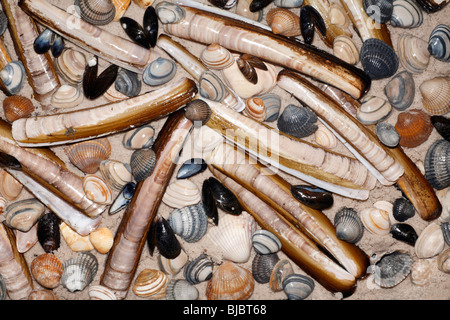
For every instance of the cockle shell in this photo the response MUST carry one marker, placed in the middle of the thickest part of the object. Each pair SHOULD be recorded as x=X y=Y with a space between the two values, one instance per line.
x=216 y=57
x=387 y=134
x=175 y=265
x=23 y=214
x=198 y=111
x=376 y=221
x=298 y=286
x=299 y=122
x=128 y=83
x=437 y=165
x=96 y=189
x=99 y=292
x=344 y=48
x=42 y=294
x=436 y=95
x=70 y=65
x=10 y=188
x=96 y=12
x=102 y=239
x=190 y=222
x=378 y=59
x=391 y=268
x=180 y=289
x=421 y=272
x=47 y=270
x=403 y=209
x=181 y=193
x=74 y=240
x=262 y=266
x=79 y=271
x=379 y=10
x=16 y=107
x=373 y=109
x=66 y=96
x=413 y=53
x=230 y=281
x=443 y=261
x=400 y=90
x=439 y=43
x=445 y=226
x=406 y=14
x=87 y=155
x=283 y=21
x=414 y=127
x=13 y=76
x=159 y=72
x=255 y=109
x=151 y=284
x=48 y=40
x=142 y=163
x=348 y=224
x=233 y=236
x=116 y=173
x=430 y=242
x=48 y=233
x=265 y=242
x=138 y=138
x=199 y=270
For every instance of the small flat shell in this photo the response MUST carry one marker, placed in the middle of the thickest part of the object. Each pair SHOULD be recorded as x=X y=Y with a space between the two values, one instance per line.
x=373 y=109
x=75 y=241
x=24 y=214
x=387 y=134
x=102 y=239
x=265 y=242
x=10 y=188
x=159 y=72
x=173 y=266
x=26 y=240
x=181 y=193
x=151 y=284
x=345 y=49
x=298 y=286
x=138 y=138
x=376 y=221
x=430 y=242
x=97 y=190
x=324 y=137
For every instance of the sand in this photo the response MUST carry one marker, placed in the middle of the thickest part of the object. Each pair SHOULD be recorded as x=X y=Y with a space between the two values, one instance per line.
x=438 y=284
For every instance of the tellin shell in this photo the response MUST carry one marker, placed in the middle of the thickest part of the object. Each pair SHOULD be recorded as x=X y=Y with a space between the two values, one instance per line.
x=151 y=284
x=97 y=190
x=181 y=193
x=87 y=155
x=47 y=270
x=159 y=72
x=79 y=271
x=376 y=221
x=436 y=95
x=430 y=242
x=24 y=214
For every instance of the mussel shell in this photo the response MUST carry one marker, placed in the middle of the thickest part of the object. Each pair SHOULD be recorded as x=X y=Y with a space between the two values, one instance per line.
x=23 y=214
x=199 y=270
x=224 y=197
x=44 y=41
x=406 y=14
x=135 y=31
x=223 y=4
x=95 y=85
x=123 y=199
x=163 y=237
x=263 y=265
x=142 y=163
x=48 y=232
x=96 y=12
x=404 y=232
x=310 y=19
x=12 y=76
x=265 y=242
x=257 y=5
x=190 y=222
x=57 y=47
x=348 y=224
x=437 y=164
x=312 y=197
x=128 y=83
x=387 y=134
x=400 y=90
x=378 y=59
x=414 y=127
x=439 y=43
x=298 y=286
x=191 y=167
x=180 y=289
x=16 y=107
x=392 y=268
x=150 y=25
x=379 y=10
x=208 y=202
x=79 y=272
x=442 y=126
x=403 y=209
x=138 y=138
x=159 y=72
x=297 y=121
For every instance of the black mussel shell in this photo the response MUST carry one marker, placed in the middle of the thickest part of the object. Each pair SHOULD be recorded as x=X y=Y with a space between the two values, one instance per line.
x=209 y=204
x=96 y=85
x=48 y=232
x=8 y=161
x=224 y=197
x=442 y=126
x=257 y=5
x=123 y=199
x=312 y=197
x=378 y=59
x=44 y=41
x=403 y=209
x=150 y=25
x=57 y=46
x=135 y=32
x=162 y=237
x=404 y=232
x=310 y=19
x=191 y=167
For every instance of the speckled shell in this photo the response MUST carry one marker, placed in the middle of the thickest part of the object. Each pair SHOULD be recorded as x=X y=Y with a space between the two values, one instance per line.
x=344 y=48
x=47 y=270
x=10 y=188
x=70 y=65
x=413 y=53
x=391 y=268
x=379 y=10
x=66 y=96
x=74 y=240
x=439 y=43
x=142 y=163
x=159 y=72
x=378 y=59
x=96 y=189
x=348 y=224
x=181 y=193
x=387 y=134
x=99 y=292
x=400 y=90
x=23 y=214
x=87 y=155
x=373 y=109
x=436 y=95
x=230 y=281
x=376 y=221
x=79 y=271
x=262 y=266
x=430 y=242
x=16 y=107
x=233 y=236
x=180 y=289
x=216 y=57
x=190 y=222
x=299 y=122
x=298 y=286
x=283 y=21
x=414 y=127
x=116 y=173
x=199 y=270
x=406 y=14
x=265 y=242
x=138 y=138
x=255 y=109
x=96 y=12
x=102 y=239
x=437 y=165
x=151 y=284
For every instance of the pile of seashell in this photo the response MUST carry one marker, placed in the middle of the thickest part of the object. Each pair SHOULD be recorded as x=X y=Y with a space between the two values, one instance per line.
x=129 y=130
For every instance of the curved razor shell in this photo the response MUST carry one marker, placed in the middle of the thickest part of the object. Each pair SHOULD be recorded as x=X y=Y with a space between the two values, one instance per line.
x=356 y=134
x=275 y=191
x=117 y=50
x=302 y=250
x=207 y=28
x=13 y=267
x=132 y=232
x=105 y=119
x=330 y=171
x=41 y=72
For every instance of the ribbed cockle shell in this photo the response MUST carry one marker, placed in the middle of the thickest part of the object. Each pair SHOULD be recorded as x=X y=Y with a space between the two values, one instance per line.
x=87 y=155
x=16 y=107
x=283 y=21
x=414 y=127
x=436 y=95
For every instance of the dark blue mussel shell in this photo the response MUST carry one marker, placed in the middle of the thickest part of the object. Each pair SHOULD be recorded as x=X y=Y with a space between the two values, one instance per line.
x=191 y=167
x=123 y=199
x=163 y=237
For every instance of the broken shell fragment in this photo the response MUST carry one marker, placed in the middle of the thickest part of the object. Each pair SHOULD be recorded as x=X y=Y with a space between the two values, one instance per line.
x=391 y=268
x=123 y=199
x=10 y=188
x=281 y=270
x=421 y=272
x=74 y=240
x=26 y=240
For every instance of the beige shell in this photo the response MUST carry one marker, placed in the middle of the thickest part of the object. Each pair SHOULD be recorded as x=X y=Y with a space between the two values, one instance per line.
x=444 y=198
x=345 y=49
x=3 y=204
x=436 y=95
x=102 y=239
x=66 y=96
x=230 y=281
x=413 y=53
x=10 y=188
x=338 y=16
x=443 y=261
x=115 y=173
x=121 y=7
x=151 y=284
x=283 y=21
x=42 y=294
x=87 y=155
x=206 y=139
x=97 y=190
x=99 y=292
x=216 y=57
x=173 y=266
x=421 y=272
x=75 y=241
x=373 y=109
x=47 y=270
x=26 y=240
x=112 y=95
x=182 y=193
x=143 y=3
x=430 y=242
x=376 y=221
x=324 y=137
x=233 y=236
x=386 y=206
x=255 y=109
x=70 y=65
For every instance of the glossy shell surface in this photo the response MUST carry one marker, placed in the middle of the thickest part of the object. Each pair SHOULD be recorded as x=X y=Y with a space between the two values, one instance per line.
x=406 y=14
x=298 y=286
x=265 y=242
x=430 y=242
x=16 y=107
x=376 y=221
x=439 y=43
x=151 y=284
x=181 y=193
x=414 y=127
x=159 y=72
x=24 y=214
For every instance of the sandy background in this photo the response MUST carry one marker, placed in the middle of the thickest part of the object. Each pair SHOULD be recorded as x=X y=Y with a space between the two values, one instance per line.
x=438 y=287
